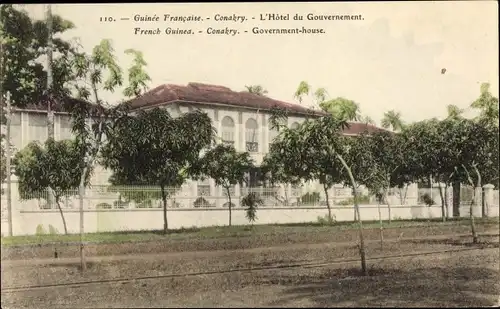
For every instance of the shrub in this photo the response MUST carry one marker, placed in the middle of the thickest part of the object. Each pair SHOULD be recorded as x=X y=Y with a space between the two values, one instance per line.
x=362 y=199
x=103 y=206
x=310 y=198
x=252 y=200
x=120 y=204
x=40 y=230
x=201 y=202
x=52 y=230
x=326 y=220
x=427 y=199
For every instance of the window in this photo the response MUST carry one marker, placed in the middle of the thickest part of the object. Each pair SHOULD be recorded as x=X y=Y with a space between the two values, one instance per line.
x=203 y=188
x=273 y=133
x=228 y=129
x=37 y=127
x=16 y=131
x=65 y=127
x=251 y=135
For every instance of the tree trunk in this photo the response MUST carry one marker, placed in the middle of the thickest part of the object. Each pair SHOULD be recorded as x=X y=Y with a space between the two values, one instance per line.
x=381 y=227
x=388 y=206
x=164 y=202
x=8 y=157
x=402 y=197
x=446 y=204
x=443 y=212
x=286 y=196
x=330 y=218
x=81 y=193
x=50 y=112
x=456 y=198
x=62 y=214
x=360 y=223
x=230 y=208
x=475 y=239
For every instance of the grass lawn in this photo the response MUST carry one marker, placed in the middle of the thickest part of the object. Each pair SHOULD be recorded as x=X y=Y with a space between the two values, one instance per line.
x=227 y=232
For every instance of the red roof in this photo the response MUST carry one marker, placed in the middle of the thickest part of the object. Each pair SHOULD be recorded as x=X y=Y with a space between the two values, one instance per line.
x=356 y=128
x=213 y=94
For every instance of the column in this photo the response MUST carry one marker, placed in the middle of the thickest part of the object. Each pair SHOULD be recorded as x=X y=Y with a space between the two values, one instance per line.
x=489 y=201
x=477 y=208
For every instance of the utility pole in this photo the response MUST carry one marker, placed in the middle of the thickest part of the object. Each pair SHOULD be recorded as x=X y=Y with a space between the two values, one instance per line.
x=49 y=97
x=8 y=155
x=50 y=113
x=8 y=152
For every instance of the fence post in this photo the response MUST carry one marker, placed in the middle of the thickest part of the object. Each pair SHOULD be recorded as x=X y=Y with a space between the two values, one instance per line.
x=488 y=199
x=477 y=210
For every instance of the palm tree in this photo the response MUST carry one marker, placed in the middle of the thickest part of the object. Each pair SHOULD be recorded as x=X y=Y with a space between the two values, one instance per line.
x=368 y=120
x=256 y=89
x=392 y=119
x=303 y=89
x=454 y=112
x=342 y=108
x=487 y=104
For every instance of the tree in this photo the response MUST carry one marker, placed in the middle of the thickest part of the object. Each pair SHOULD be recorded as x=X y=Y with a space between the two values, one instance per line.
x=256 y=89
x=155 y=148
x=342 y=108
x=433 y=150
x=25 y=42
x=92 y=118
x=252 y=200
x=392 y=119
x=454 y=112
x=226 y=167
x=478 y=141
x=57 y=166
x=319 y=138
x=368 y=120
x=373 y=158
x=487 y=104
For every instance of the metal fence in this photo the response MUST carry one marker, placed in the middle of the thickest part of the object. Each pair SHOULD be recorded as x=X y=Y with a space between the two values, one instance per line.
x=202 y=196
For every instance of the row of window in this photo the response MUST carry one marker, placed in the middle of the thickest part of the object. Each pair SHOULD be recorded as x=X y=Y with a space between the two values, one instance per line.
x=251 y=133
x=37 y=123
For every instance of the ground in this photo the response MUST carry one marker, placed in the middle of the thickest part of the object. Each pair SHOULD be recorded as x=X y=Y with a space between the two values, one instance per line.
x=218 y=274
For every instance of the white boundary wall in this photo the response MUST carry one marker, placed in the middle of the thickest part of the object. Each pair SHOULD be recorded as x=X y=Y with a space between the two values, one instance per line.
x=26 y=222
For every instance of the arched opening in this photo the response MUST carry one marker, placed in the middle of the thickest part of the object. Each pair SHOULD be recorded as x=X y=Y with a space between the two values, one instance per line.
x=251 y=135
x=228 y=130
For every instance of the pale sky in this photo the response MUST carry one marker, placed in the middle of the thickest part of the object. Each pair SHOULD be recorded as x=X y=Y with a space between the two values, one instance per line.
x=390 y=60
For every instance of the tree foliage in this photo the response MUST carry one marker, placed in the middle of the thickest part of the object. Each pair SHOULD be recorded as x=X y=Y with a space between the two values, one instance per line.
x=392 y=119
x=152 y=147
x=257 y=89
x=24 y=42
x=226 y=167
x=56 y=165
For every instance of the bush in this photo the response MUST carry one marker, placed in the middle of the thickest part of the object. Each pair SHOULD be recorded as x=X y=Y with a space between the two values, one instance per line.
x=40 y=230
x=427 y=199
x=252 y=200
x=362 y=199
x=52 y=230
x=145 y=204
x=201 y=202
x=310 y=198
x=326 y=220
x=120 y=204
x=103 y=206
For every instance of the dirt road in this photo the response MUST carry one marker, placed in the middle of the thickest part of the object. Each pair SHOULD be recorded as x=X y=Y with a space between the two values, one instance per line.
x=468 y=278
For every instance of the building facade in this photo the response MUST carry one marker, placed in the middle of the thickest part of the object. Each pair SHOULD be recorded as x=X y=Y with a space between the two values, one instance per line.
x=241 y=119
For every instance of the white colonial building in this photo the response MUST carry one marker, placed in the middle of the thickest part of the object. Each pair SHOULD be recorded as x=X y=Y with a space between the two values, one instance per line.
x=240 y=119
